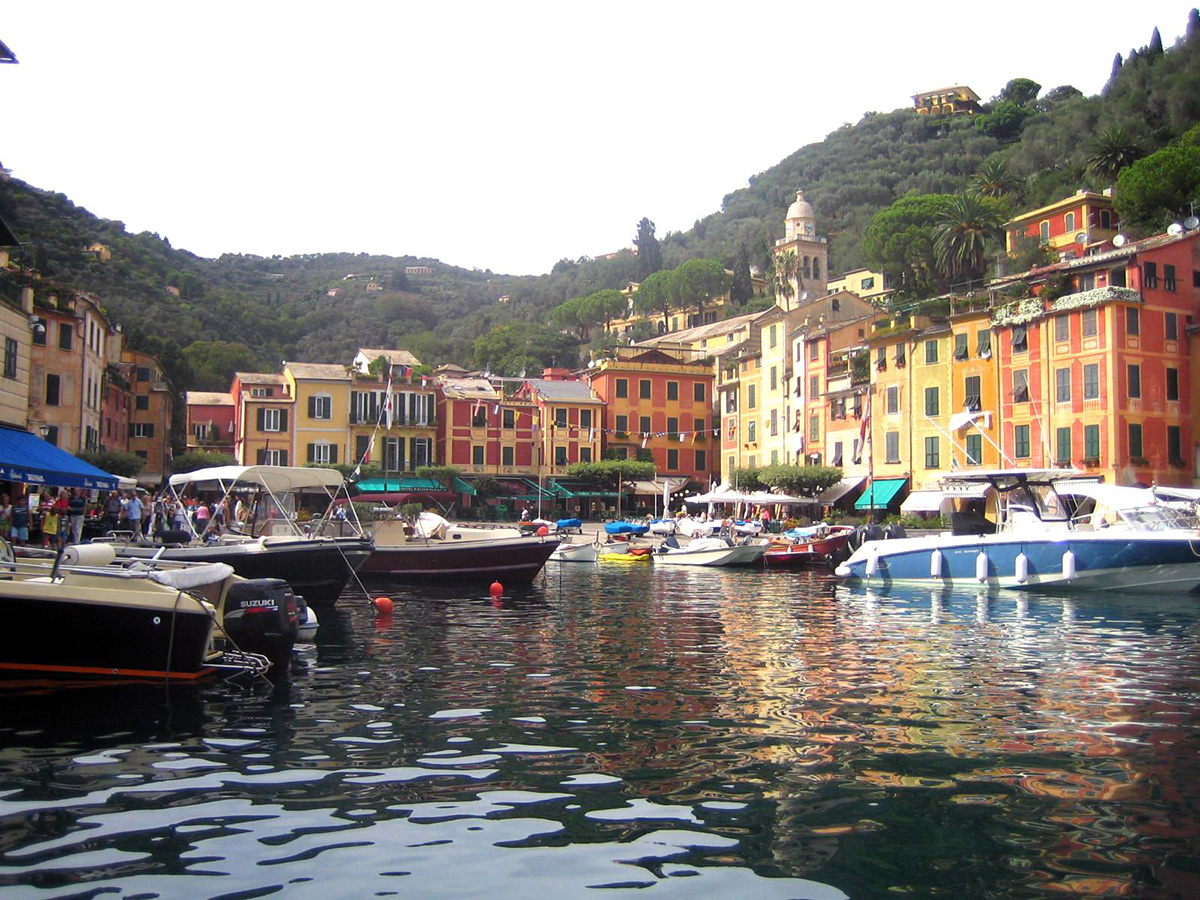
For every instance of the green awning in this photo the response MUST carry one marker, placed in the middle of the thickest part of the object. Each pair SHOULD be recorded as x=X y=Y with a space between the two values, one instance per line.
x=384 y=485
x=883 y=490
x=560 y=489
x=464 y=487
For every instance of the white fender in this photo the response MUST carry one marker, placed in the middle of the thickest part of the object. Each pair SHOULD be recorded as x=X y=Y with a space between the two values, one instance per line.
x=1068 y=565
x=935 y=564
x=1021 y=568
x=872 y=563
x=981 y=566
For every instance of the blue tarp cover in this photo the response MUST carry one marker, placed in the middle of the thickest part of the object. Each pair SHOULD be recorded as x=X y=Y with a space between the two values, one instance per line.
x=625 y=528
x=26 y=457
x=569 y=523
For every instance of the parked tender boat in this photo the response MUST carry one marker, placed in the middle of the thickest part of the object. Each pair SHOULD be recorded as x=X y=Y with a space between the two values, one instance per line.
x=802 y=546
x=1026 y=538
x=710 y=551
x=432 y=549
x=81 y=616
x=580 y=553
x=272 y=544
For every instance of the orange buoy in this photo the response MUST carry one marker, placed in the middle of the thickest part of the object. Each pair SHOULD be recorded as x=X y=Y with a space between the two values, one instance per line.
x=383 y=605
x=542 y=531
x=497 y=589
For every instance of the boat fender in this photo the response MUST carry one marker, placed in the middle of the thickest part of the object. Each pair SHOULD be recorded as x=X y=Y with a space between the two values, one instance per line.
x=1068 y=565
x=89 y=555
x=872 y=563
x=1021 y=568
x=981 y=566
x=935 y=564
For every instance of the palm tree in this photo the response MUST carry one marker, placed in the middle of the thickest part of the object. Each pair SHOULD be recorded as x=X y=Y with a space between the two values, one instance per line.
x=785 y=276
x=994 y=180
x=961 y=235
x=1112 y=151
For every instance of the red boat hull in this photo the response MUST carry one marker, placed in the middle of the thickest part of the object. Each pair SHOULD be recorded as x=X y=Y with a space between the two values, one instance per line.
x=817 y=551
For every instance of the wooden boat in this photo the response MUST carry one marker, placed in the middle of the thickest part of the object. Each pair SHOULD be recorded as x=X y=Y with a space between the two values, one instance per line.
x=81 y=616
x=708 y=552
x=580 y=553
x=807 y=546
x=432 y=549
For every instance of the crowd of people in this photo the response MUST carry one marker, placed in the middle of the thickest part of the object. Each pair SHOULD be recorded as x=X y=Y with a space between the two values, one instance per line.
x=59 y=515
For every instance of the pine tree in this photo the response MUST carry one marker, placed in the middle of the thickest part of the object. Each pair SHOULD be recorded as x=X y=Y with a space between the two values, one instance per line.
x=1156 y=47
x=648 y=249
x=1116 y=69
x=742 y=288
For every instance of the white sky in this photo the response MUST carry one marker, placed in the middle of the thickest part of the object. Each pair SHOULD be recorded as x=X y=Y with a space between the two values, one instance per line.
x=495 y=135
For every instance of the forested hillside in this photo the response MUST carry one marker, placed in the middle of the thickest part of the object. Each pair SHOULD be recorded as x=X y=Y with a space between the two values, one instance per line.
x=214 y=315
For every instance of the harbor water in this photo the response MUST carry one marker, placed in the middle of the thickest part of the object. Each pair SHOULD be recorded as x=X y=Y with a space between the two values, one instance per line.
x=640 y=731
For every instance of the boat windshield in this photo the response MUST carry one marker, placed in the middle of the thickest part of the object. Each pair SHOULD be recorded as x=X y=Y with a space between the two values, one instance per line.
x=1040 y=499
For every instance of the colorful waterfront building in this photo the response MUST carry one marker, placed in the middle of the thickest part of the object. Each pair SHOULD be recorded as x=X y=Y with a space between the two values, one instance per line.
x=151 y=415
x=930 y=374
x=974 y=423
x=262 y=419
x=404 y=436
x=569 y=415
x=805 y=252
x=17 y=328
x=321 y=404
x=483 y=430
x=660 y=403
x=210 y=421
x=1075 y=225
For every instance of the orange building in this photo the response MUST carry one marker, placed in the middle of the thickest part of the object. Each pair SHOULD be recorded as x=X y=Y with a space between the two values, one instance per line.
x=150 y=419
x=660 y=403
x=1071 y=225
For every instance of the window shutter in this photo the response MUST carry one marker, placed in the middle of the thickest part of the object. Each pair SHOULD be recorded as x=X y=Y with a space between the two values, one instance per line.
x=149 y=430
x=262 y=454
x=312 y=452
x=262 y=415
x=131 y=429
x=312 y=407
x=333 y=454
x=283 y=420
x=283 y=458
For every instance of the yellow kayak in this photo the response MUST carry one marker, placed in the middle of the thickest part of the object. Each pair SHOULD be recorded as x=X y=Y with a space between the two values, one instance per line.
x=624 y=557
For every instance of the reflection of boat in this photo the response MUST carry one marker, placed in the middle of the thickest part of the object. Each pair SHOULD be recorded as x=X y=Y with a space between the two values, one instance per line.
x=566 y=552
x=1027 y=538
x=82 y=616
x=432 y=548
x=316 y=566
x=808 y=545
x=708 y=552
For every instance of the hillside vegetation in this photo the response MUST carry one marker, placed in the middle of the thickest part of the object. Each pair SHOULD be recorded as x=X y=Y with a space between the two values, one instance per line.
x=210 y=316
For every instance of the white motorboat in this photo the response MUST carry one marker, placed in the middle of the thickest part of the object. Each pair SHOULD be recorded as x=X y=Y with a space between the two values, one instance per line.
x=708 y=552
x=1042 y=529
x=574 y=553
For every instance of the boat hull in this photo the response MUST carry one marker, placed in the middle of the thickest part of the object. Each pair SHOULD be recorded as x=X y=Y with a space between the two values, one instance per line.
x=574 y=553
x=742 y=555
x=512 y=559
x=316 y=569
x=799 y=554
x=89 y=635
x=1126 y=562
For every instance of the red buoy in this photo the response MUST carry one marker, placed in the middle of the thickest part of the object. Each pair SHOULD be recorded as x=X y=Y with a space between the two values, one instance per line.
x=497 y=589
x=383 y=605
x=542 y=531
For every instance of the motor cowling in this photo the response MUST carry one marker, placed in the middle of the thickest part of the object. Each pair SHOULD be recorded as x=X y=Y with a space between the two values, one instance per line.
x=260 y=615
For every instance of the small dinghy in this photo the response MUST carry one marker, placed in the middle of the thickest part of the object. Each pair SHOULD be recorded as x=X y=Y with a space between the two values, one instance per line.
x=708 y=552
x=574 y=553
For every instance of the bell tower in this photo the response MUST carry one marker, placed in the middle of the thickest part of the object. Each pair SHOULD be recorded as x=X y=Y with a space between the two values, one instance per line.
x=808 y=263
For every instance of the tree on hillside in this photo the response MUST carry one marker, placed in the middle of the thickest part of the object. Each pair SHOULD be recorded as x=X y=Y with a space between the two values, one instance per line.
x=899 y=241
x=576 y=314
x=656 y=294
x=608 y=304
x=649 y=252
x=213 y=363
x=1160 y=187
x=697 y=281
x=1005 y=120
x=1111 y=151
x=993 y=179
x=786 y=276
x=523 y=348
x=1021 y=91
x=961 y=235
x=1156 y=47
x=742 y=288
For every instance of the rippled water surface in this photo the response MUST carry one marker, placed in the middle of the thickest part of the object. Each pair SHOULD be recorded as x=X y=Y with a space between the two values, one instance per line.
x=690 y=734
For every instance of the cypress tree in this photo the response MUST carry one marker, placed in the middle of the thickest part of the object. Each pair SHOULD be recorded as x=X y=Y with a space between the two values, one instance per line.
x=1156 y=47
x=1116 y=69
x=1193 y=25
x=742 y=288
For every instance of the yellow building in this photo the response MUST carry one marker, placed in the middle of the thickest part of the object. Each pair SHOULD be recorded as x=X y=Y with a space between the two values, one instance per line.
x=894 y=405
x=930 y=373
x=569 y=415
x=957 y=99
x=804 y=253
x=874 y=286
x=16 y=316
x=680 y=320
x=974 y=409
x=321 y=394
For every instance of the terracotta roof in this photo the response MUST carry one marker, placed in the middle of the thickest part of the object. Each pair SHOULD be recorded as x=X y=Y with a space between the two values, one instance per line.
x=325 y=371
x=209 y=398
x=258 y=378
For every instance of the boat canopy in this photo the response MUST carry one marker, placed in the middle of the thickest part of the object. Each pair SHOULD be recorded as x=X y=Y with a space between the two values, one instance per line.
x=1002 y=474
x=27 y=458
x=276 y=479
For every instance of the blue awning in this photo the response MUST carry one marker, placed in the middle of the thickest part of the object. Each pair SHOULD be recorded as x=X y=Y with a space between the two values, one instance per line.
x=27 y=458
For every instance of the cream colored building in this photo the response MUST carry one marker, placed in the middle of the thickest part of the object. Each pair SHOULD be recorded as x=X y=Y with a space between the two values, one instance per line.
x=808 y=251
x=16 y=310
x=874 y=286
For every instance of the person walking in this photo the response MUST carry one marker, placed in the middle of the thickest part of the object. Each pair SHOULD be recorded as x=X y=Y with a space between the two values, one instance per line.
x=20 y=522
x=133 y=514
x=112 y=511
x=76 y=509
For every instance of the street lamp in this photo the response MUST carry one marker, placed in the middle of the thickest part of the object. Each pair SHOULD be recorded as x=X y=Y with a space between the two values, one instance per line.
x=44 y=430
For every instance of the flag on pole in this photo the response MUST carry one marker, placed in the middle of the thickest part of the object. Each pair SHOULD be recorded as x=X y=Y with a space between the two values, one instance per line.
x=388 y=401
x=645 y=439
x=863 y=429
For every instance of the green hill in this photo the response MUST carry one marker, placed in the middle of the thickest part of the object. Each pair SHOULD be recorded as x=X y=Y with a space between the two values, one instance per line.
x=209 y=316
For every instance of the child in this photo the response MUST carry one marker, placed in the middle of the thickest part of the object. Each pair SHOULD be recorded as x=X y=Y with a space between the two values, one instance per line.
x=50 y=520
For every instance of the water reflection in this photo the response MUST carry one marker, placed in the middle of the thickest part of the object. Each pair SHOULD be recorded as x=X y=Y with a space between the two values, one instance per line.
x=703 y=733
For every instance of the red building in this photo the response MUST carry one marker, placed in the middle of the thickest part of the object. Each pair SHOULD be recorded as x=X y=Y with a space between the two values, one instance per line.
x=114 y=430
x=210 y=421
x=482 y=431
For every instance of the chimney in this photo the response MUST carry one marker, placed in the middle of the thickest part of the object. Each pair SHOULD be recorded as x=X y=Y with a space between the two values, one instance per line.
x=556 y=374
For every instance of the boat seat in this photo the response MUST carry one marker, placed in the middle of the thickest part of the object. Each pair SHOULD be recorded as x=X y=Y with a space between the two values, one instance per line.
x=672 y=542
x=971 y=523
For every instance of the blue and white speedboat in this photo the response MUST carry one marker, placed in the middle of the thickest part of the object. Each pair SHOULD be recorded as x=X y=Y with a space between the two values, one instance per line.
x=1045 y=529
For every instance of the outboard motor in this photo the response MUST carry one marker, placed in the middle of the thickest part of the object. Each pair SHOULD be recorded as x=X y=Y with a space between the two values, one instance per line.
x=872 y=532
x=894 y=531
x=260 y=616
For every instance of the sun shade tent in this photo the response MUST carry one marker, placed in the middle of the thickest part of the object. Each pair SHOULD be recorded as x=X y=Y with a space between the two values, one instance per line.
x=922 y=501
x=276 y=479
x=27 y=458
